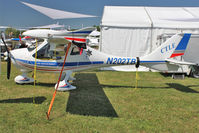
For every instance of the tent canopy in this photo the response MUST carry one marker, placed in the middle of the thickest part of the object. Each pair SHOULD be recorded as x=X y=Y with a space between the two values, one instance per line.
x=163 y=17
x=56 y=14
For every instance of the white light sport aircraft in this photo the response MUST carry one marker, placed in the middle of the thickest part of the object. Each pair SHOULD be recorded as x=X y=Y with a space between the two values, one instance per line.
x=81 y=57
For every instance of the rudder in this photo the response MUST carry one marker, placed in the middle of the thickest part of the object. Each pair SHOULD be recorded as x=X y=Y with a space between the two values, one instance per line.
x=169 y=49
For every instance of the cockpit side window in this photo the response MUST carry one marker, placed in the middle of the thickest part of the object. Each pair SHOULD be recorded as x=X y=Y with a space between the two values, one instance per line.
x=75 y=51
x=31 y=47
x=43 y=53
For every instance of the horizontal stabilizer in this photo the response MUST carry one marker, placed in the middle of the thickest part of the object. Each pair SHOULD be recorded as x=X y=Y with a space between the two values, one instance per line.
x=176 y=62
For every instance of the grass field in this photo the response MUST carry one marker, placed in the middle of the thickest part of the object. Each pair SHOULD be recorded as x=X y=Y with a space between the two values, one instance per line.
x=104 y=102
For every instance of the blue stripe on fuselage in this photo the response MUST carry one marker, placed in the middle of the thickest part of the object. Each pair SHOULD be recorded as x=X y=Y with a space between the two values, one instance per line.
x=56 y=64
x=41 y=63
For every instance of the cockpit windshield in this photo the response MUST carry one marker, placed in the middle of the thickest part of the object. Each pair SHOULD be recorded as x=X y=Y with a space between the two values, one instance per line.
x=50 y=51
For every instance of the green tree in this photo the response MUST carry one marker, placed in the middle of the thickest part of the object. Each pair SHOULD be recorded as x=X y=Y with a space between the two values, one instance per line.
x=12 y=32
x=97 y=27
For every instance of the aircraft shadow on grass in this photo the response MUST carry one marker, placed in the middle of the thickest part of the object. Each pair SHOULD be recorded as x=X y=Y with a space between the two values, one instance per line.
x=38 y=100
x=89 y=99
x=182 y=88
x=176 y=86
x=43 y=84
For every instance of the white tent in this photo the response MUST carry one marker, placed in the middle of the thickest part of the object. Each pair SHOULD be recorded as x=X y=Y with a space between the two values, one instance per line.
x=136 y=31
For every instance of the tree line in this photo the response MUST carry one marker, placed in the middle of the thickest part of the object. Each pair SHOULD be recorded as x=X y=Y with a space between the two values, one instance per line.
x=12 y=32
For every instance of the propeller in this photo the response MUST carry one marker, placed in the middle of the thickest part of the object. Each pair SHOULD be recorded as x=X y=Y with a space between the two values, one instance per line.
x=8 y=59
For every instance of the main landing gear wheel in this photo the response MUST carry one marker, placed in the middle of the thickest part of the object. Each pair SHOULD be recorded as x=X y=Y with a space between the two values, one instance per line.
x=64 y=85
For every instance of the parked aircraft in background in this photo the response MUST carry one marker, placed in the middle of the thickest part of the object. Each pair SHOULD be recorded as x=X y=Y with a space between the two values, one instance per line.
x=15 y=43
x=2 y=47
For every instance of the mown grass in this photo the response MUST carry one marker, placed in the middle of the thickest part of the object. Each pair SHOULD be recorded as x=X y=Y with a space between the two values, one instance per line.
x=104 y=101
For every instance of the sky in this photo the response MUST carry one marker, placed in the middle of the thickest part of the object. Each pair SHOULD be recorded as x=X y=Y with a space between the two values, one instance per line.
x=15 y=14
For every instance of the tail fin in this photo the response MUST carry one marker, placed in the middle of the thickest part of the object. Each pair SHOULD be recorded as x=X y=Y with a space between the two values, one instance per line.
x=180 y=49
x=175 y=46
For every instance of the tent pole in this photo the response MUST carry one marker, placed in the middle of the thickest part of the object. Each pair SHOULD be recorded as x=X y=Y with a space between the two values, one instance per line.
x=151 y=29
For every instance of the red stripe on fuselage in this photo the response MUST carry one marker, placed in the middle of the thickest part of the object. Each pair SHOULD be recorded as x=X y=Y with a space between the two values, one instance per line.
x=75 y=39
x=176 y=54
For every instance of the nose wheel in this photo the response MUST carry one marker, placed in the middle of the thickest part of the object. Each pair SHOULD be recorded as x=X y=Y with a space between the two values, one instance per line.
x=23 y=79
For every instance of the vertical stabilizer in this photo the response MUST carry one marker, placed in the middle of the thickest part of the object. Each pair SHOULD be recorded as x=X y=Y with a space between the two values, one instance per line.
x=175 y=46
x=180 y=49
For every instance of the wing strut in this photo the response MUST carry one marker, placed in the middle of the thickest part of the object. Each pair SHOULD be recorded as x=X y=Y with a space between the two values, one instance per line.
x=53 y=98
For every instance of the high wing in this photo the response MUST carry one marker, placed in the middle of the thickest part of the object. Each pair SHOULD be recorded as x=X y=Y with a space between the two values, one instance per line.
x=56 y=14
